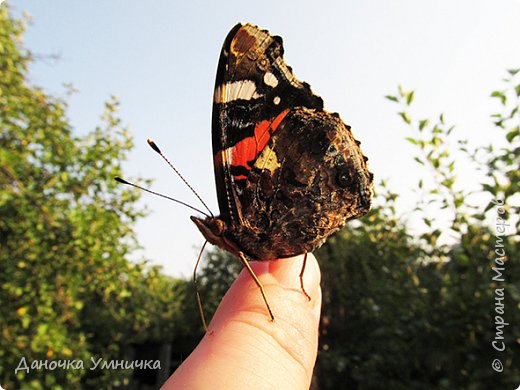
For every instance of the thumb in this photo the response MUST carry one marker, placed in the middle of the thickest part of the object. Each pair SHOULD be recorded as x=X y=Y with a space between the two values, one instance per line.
x=243 y=348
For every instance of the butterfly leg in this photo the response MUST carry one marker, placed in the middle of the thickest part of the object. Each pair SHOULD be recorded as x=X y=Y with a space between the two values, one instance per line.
x=257 y=281
x=301 y=276
x=199 y=302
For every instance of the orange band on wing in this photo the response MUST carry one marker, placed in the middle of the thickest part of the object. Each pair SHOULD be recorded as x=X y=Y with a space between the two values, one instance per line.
x=249 y=148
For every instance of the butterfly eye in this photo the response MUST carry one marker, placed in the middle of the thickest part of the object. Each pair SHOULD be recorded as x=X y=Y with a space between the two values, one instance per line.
x=220 y=225
x=217 y=226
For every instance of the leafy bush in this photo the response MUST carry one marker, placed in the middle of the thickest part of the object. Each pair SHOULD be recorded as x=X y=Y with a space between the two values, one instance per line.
x=67 y=287
x=410 y=312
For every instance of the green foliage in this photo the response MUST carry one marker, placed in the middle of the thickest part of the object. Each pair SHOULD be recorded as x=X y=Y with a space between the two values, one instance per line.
x=410 y=312
x=503 y=164
x=67 y=288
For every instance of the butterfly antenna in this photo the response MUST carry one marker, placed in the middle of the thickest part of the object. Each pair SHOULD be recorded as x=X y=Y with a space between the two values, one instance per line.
x=123 y=181
x=154 y=146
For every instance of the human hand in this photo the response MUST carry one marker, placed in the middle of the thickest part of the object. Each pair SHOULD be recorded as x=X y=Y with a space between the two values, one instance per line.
x=243 y=349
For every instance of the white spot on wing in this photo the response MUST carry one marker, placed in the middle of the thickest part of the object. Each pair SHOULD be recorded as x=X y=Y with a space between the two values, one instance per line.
x=270 y=79
x=276 y=100
x=242 y=89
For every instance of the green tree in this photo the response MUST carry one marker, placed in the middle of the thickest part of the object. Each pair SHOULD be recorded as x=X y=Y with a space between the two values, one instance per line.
x=411 y=312
x=67 y=287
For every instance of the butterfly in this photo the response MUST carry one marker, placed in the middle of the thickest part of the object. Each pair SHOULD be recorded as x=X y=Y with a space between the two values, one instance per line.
x=288 y=173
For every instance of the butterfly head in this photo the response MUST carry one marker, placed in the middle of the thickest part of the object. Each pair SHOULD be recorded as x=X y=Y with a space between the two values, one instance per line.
x=214 y=229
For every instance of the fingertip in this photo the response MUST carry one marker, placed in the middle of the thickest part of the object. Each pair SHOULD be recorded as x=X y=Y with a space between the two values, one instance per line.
x=282 y=285
x=259 y=350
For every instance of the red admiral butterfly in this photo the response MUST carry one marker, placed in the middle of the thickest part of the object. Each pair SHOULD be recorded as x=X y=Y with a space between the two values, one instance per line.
x=288 y=173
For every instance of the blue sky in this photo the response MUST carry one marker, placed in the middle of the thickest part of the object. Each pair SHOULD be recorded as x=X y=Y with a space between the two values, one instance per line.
x=160 y=59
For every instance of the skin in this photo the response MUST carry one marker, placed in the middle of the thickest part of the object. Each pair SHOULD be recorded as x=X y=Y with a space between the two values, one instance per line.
x=243 y=349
